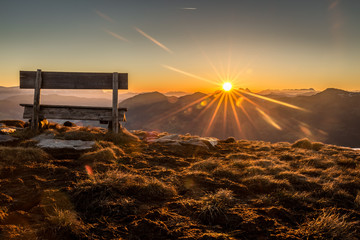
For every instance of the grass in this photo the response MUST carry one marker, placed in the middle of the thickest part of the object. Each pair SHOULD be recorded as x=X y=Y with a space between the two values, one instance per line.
x=130 y=189
x=106 y=155
x=131 y=185
x=64 y=219
x=19 y=155
x=215 y=205
x=329 y=224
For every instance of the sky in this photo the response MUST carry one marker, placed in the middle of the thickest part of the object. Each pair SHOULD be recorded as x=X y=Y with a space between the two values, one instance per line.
x=186 y=45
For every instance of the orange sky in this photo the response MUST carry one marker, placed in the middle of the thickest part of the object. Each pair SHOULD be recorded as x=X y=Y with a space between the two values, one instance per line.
x=255 y=44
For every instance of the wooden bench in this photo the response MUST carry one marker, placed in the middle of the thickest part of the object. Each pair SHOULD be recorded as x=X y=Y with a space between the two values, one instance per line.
x=38 y=80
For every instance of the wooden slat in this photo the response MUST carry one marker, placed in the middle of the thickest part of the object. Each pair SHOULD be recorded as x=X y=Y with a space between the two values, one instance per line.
x=74 y=112
x=73 y=80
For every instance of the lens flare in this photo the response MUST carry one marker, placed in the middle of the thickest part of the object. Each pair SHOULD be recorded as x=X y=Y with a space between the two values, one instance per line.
x=227 y=86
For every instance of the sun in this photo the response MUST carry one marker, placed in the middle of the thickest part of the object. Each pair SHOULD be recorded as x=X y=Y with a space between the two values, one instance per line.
x=227 y=86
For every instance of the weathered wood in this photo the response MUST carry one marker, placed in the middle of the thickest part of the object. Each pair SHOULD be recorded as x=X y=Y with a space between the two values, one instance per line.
x=115 y=114
x=73 y=80
x=103 y=114
x=36 y=107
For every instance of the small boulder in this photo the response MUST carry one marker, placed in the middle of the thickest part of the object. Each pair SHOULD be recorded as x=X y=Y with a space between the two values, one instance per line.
x=229 y=140
x=47 y=135
x=66 y=148
x=6 y=139
x=205 y=142
x=172 y=139
x=66 y=144
x=69 y=124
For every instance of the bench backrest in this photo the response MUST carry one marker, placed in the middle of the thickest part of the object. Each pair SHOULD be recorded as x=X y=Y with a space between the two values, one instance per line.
x=73 y=80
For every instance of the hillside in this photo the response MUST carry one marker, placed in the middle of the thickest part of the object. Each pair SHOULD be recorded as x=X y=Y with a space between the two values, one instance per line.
x=152 y=185
x=330 y=116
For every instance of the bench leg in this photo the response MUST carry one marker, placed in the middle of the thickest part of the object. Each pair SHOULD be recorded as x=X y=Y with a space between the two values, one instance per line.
x=110 y=127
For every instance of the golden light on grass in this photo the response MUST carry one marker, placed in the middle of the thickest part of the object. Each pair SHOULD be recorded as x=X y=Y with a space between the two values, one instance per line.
x=227 y=86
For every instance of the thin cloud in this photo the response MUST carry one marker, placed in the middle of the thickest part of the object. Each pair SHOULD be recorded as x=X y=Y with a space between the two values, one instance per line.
x=190 y=8
x=153 y=40
x=104 y=16
x=334 y=4
x=116 y=35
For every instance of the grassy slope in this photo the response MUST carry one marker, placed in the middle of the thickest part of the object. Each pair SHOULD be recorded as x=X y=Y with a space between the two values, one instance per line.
x=238 y=190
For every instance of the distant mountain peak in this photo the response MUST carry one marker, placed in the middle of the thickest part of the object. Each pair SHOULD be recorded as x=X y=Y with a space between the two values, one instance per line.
x=333 y=91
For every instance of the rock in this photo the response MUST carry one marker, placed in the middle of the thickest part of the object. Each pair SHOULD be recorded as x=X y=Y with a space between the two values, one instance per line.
x=78 y=145
x=66 y=149
x=174 y=139
x=146 y=136
x=48 y=135
x=212 y=141
x=69 y=124
x=194 y=142
x=6 y=138
x=229 y=140
x=205 y=142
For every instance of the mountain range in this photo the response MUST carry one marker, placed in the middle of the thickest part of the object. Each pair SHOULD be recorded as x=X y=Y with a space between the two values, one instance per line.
x=331 y=116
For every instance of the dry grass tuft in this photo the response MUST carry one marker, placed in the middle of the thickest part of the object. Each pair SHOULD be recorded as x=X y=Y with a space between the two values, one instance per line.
x=18 y=232
x=206 y=165
x=64 y=219
x=132 y=185
x=3 y=213
x=242 y=156
x=101 y=155
x=13 y=123
x=303 y=143
x=24 y=134
x=265 y=184
x=123 y=137
x=357 y=200
x=227 y=173
x=20 y=155
x=80 y=135
x=307 y=144
x=215 y=205
x=328 y=225
x=317 y=146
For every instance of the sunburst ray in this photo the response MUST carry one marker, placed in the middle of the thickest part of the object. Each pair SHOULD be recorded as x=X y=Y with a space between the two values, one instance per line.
x=215 y=113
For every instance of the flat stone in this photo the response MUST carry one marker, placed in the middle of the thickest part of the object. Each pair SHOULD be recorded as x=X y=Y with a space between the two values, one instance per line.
x=48 y=135
x=212 y=141
x=56 y=144
x=204 y=142
x=195 y=142
x=168 y=139
x=6 y=138
x=174 y=139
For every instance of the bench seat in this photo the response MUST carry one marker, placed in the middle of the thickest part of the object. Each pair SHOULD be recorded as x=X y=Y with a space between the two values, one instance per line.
x=102 y=114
